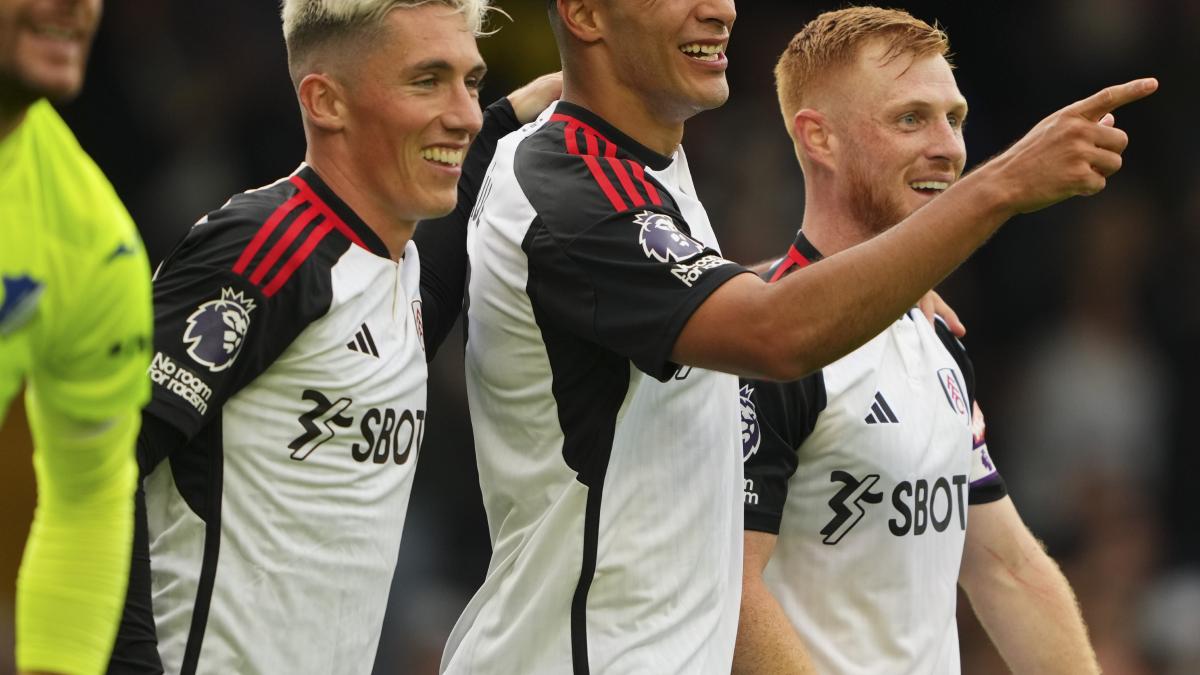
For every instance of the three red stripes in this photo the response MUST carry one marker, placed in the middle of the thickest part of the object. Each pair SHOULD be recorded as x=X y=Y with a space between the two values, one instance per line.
x=629 y=178
x=312 y=208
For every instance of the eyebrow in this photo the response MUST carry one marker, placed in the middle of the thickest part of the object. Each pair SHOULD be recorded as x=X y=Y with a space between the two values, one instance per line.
x=443 y=65
x=921 y=103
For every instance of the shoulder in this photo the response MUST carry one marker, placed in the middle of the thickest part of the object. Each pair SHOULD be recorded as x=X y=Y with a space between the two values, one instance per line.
x=270 y=235
x=574 y=177
x=90 y=215
x=958 y=351
x=949 y=339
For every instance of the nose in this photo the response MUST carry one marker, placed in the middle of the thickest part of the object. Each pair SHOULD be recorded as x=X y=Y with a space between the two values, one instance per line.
x=947 y=145
x=718 y=11
x=463 y=113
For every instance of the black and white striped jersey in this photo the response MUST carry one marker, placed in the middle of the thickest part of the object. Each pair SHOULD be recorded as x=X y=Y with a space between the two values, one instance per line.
x=604 y=466
x=865 y=470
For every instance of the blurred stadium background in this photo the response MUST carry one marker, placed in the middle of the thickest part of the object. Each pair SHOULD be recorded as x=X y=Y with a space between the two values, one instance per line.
x=1084 y=320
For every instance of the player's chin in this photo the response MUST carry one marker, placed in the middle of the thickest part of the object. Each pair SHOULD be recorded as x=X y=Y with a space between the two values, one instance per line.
x=712 y=93
x=437 y=203
x=58 y=83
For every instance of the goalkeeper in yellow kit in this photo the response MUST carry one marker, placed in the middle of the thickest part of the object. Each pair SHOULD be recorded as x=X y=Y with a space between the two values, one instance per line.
x=75 y=319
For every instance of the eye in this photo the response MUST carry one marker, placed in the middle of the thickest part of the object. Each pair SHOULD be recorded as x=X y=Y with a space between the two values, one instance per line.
x=427 y=82
x=909 y=120
x=955 y=121
x=474 y=84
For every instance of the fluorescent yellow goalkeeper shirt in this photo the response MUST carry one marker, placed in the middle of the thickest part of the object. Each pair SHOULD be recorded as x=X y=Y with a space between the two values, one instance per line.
x=75 y=319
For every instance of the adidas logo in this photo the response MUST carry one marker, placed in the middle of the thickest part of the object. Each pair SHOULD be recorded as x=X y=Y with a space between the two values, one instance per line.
x=881 y=412
x=363 y=342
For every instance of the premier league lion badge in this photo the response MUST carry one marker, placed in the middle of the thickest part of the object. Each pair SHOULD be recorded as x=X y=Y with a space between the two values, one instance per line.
x=751 y=432
x=661 y=240
x=216 y=329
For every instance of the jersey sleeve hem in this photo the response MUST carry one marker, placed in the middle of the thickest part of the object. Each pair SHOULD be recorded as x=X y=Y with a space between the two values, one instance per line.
x=993 y=489
x=662 y=368
x=757 y=521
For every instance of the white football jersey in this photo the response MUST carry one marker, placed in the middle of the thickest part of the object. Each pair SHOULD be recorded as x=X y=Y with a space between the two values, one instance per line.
x=604 y=466
x=290 y=360
x=866 y=470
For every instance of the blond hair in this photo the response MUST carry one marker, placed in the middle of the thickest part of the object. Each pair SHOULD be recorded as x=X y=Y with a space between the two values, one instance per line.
x=833 y=40
x=309 y=24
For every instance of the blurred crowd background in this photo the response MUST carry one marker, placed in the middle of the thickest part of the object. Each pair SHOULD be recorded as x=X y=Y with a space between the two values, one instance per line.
x=1084 y=320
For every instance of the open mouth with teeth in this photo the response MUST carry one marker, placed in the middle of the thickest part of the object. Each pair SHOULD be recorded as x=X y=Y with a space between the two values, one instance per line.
x=56 y=32
x=929 y=187
x=443 y=156
x=701 y=52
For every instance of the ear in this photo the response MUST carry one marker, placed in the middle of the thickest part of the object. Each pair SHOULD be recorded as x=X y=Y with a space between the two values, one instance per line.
x=582 y=19
x=814 y=138
x=322 y=99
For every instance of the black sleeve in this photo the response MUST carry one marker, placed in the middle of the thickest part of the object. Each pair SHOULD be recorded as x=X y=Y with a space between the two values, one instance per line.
x=777 y=417
x=136 y=647
x=626 y=278
x=986 y=483
x=216 y=329
x=442 y=243
x=602 y=285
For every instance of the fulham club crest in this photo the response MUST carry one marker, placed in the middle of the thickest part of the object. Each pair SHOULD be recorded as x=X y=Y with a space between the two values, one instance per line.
x=955 y=394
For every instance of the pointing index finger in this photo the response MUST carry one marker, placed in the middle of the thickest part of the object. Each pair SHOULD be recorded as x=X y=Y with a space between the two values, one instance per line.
x=1109 y=99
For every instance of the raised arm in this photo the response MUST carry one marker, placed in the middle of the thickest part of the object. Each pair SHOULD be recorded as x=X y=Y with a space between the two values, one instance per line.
x=792 y=327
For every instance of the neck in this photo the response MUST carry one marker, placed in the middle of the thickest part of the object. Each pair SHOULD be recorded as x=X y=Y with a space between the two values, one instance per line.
x=828 y=224
x=376 y=213
x=12 y=113
x=626 y=110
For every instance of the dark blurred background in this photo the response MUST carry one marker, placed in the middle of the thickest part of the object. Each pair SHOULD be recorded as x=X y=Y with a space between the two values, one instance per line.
x=1084 y=319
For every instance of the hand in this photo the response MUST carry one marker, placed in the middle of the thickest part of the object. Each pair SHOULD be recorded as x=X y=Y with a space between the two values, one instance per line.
x=529 y=101
x=1072 y=152
x=932 y=304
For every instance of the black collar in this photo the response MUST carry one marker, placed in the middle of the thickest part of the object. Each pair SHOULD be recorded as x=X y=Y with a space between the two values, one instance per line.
x=645 y=155
x=366 y=236
x=803 y=249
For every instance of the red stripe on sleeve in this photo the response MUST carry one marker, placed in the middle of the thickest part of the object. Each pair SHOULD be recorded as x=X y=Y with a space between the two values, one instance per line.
x=640 y=174
x=593 y=164
x=318 y=233
x=571 y=140
x=265 y=231
x=330 y=216
x=280 y=246
x=623 y=176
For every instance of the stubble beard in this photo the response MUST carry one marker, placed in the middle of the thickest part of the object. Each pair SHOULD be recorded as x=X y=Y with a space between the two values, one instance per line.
x=872 y=208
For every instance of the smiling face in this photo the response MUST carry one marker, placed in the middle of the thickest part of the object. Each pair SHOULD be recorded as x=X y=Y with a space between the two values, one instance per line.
x=900 y=129
x=672 y=52
x=412 y=108
x=44 y=46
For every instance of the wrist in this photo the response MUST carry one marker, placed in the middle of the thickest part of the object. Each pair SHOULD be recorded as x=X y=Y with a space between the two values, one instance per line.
x=990 y=191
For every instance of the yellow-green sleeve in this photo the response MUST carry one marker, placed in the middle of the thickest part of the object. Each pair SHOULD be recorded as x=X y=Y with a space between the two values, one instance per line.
x=76 y=565
x=85 y=392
